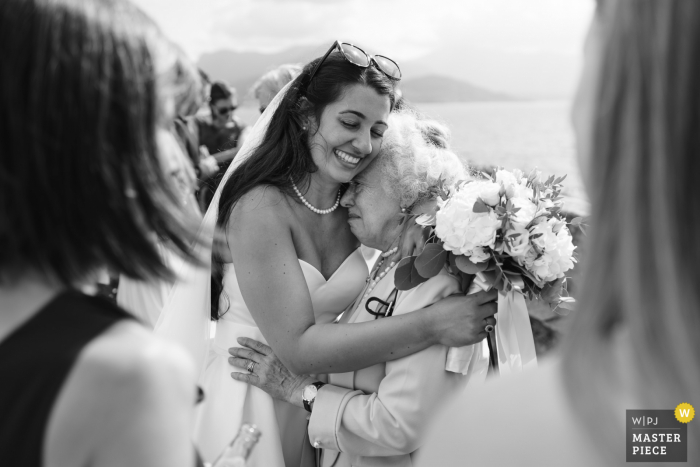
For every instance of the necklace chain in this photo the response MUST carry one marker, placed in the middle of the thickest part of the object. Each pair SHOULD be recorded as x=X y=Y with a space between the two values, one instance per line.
x=378 y=276
x=313 y=208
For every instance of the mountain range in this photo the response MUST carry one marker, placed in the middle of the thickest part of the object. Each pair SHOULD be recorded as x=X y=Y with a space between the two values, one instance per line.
x=420 y=84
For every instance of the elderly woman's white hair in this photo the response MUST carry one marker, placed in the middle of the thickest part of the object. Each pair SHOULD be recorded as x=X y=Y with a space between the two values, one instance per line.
x=415 y=156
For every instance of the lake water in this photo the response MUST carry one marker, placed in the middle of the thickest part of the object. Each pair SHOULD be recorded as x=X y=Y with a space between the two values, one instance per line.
x=522 y=134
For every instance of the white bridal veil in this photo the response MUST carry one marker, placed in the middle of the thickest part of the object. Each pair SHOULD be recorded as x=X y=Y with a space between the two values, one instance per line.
x=185 y=318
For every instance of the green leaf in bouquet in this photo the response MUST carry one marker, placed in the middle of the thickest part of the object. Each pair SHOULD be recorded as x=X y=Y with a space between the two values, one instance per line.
x=491 y=265
x=500 y=282
x=577 y=222
x=431 y=261
x=560 y=179
x=441 y=190
x=528 y=274
x=480 y=206
x=491 y=276
x=464 y=264
x=533 y=176
x=406 y=276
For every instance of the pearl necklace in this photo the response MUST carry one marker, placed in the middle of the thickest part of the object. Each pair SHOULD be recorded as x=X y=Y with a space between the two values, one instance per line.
x=381 y=275
x=386 y=254
x=310 y=206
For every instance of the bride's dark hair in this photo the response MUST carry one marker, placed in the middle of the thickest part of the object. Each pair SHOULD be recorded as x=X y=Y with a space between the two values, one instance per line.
x=284 y=153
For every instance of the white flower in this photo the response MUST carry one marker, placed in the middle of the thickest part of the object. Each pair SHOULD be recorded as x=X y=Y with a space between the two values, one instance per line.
x=553 y=255
x=489 y=192
x=506 y=178
x=527 y=212
x=513 y=184
x=517 y=245
x=520 y=190
x=460 y=228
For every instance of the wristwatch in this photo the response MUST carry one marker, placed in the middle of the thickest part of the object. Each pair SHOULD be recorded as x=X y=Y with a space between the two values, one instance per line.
x=308 y=395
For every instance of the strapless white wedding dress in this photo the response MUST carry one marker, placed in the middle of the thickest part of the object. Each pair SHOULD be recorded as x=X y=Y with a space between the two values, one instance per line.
x=228 y=403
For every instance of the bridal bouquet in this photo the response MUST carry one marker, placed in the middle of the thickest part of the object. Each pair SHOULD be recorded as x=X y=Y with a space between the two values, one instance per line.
x=503 y=231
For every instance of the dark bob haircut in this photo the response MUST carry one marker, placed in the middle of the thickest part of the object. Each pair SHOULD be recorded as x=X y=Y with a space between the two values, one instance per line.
x=82 y=96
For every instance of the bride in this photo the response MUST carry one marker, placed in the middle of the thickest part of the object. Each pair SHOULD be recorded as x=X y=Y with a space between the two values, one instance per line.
x=290 y=264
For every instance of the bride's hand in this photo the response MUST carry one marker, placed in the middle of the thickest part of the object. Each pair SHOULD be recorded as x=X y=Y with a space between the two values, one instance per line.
x=269 y=374
x=461 y=319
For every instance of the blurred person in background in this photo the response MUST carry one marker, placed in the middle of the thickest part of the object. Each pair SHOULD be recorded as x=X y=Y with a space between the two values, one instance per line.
x=272 y=82
x=85 y=89
x=219 y=134
x=145 y=298
x=191 y=94
x=634 y=342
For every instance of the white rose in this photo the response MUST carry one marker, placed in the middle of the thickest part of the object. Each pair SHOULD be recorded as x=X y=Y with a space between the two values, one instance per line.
x=542 y=236
x=556 y=251
x=527 y=211
x=519 y=245
x=514 y=186
x=506 y=178
x=521 y=190
x=490 y=192
x=459 y=227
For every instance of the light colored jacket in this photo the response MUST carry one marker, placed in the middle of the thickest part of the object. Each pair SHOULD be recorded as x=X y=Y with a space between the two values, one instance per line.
x=378 y=416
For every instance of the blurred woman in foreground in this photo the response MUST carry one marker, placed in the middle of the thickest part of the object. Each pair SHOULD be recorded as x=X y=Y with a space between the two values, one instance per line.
x=84 y=95
x=634 y=343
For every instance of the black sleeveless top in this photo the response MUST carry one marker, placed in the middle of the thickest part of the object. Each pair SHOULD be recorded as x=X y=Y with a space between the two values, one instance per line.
x=35 y=361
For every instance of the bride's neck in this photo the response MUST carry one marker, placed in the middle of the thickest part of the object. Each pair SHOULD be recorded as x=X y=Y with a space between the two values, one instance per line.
x=322 y=191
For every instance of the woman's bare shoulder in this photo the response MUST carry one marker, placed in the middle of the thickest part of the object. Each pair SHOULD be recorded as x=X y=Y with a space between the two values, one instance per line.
x=127 y=364
x=263 y=213
x=262 y=198
x=119 y=377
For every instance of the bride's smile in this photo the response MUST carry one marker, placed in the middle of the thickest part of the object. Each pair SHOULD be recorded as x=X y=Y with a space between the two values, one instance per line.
x=349 y=134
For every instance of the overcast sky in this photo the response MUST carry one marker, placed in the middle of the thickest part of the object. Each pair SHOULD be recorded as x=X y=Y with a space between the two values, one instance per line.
x=526 y=47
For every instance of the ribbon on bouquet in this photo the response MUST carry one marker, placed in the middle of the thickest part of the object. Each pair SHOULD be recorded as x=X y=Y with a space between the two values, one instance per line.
x=515 y=345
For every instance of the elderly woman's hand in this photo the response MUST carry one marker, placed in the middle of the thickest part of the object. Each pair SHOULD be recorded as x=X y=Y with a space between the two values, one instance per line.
x=462 y=319
x=268 y=373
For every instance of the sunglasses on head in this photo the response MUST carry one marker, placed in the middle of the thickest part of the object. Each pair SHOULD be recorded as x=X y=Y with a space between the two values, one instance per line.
x=359 y=57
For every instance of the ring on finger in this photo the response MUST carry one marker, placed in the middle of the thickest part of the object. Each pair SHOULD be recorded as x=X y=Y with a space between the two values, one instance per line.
x=251 y=366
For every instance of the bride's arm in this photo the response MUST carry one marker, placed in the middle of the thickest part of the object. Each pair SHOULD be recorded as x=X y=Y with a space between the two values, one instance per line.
x=275 y=291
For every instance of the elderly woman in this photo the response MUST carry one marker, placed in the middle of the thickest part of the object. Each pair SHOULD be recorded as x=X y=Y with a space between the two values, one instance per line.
x=381 y=411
